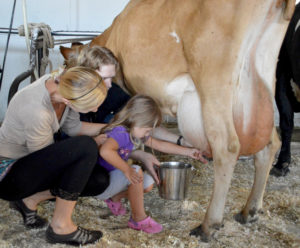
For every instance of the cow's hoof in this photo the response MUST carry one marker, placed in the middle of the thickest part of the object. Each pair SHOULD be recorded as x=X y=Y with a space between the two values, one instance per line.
x=198 y=232
x=240 y=218
x=252 y=217
x=261 y=211
x=282 y=172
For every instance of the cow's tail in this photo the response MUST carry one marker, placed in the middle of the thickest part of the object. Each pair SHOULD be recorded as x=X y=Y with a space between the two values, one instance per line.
x=289 y=9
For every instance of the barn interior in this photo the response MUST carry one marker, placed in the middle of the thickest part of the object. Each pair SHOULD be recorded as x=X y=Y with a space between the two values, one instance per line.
x=278 y=226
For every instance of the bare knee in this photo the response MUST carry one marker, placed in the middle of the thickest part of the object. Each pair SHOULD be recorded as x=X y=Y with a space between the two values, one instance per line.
x=148 y=189
x=140 y=172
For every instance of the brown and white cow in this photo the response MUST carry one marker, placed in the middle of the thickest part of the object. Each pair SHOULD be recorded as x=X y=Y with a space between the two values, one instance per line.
x=211 y=63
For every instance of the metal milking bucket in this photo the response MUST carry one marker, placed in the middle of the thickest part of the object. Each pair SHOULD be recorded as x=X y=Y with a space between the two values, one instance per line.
x=174 y=180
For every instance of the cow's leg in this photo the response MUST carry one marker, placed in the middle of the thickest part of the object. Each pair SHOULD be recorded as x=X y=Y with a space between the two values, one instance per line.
x=214 y=214
x=263 y=162
x=225 y=148
x=286 y=123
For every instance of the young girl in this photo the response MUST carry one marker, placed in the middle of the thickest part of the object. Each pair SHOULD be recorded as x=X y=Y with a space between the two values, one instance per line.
x=129 y=129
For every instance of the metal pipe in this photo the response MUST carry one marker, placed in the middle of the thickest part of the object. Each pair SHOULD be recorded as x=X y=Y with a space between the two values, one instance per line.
x=6 y=32
x=85 y=37
x=33 y=48
x=7 y=42
x=57 y=33
x=39 y=59
x=74 y=33
x=58 y=42
x=15 y=84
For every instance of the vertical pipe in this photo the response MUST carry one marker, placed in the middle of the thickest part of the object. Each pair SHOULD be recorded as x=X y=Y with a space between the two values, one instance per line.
x=7 y=42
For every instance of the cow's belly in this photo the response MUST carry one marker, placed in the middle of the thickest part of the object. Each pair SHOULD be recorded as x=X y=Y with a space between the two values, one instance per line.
x=252 y=112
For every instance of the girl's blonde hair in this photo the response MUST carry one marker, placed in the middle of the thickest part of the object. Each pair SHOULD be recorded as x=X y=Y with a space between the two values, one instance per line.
x=140 y=111
x=93 y=57
x=83 y=87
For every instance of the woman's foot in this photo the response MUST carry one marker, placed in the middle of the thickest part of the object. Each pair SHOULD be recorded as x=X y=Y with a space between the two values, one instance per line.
x=30 y=217
x=79 y=237
x=116 y=207
x=147 y=225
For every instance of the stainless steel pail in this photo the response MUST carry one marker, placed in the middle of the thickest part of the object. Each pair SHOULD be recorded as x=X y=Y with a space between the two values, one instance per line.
x=174 y=180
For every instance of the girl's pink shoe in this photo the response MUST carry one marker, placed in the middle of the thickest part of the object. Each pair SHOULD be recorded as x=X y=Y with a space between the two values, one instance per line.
x=116 y=207
x=147 y=225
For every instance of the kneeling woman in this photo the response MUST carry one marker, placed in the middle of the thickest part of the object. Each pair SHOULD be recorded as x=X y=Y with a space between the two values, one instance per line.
x=34 y=168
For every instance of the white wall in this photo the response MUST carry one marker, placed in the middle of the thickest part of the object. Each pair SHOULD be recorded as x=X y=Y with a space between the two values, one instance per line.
x=70 y=15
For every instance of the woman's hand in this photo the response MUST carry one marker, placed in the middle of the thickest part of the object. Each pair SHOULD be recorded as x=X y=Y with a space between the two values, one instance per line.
x=196 y=154
x=133 y=176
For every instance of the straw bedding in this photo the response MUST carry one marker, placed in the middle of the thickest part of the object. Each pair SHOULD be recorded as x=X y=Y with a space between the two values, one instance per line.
x=279 y=226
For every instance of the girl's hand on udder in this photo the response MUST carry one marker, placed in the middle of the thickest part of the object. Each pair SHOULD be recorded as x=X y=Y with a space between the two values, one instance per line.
x=196 y=154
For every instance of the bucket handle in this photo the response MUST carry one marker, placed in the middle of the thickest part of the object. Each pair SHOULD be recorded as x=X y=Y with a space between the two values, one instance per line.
x=156 y=168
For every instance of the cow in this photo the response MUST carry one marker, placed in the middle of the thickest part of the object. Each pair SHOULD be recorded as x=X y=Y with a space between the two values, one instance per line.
x=287 y=92
x=212 y=64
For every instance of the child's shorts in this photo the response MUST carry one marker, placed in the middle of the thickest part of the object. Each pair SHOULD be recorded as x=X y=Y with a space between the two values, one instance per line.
x=118 y=182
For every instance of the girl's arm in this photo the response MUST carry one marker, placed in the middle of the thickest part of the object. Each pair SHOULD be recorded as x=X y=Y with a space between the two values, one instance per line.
x=148 y=162
x=109 y=152
x=162 y=133
x=167 y=147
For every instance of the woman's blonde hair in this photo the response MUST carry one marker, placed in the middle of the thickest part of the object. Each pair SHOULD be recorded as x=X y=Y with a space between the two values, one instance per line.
x=83 y=87
x=94 y=57
x=140 y=111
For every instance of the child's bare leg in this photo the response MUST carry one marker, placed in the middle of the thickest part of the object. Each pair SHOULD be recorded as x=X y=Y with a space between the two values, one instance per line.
x=136 y=199
x=118 y=197
x=124 y=194
x=146 y=190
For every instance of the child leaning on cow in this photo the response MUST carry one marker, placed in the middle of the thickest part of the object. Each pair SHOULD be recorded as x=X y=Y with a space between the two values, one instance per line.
x=130 y=128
